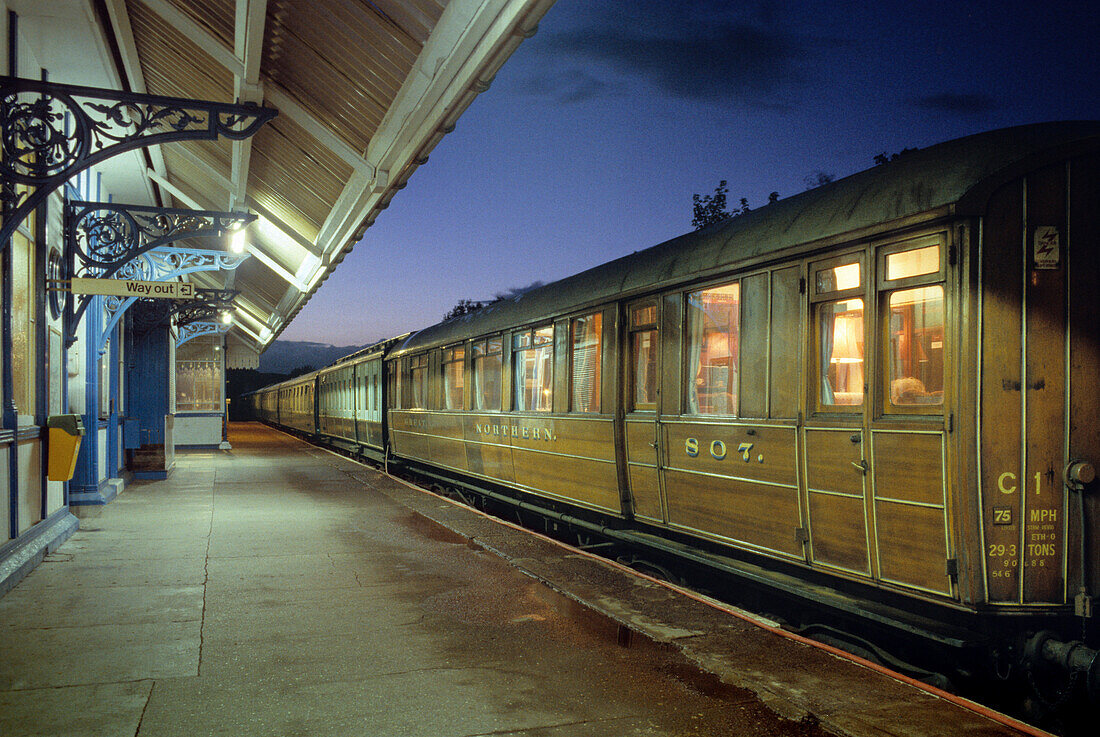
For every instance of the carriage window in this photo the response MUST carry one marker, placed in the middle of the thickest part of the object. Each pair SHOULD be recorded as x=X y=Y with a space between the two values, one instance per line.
x=916 y=347
x=712 y=349
x=838 y=278
x=487 y=375
x=643 y=357
x=585 y=389
x=533 y=362
x=418 y=381
x=840 y=341
x=644 y=350
x=916 y=262
x=395 y=387
x=453 y=377
x=643 y=315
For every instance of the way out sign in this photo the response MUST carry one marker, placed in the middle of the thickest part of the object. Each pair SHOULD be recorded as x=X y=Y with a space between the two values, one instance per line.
x=132 y=288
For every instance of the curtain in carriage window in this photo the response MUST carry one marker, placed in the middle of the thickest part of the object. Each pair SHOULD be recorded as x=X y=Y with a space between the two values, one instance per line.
x=533 y=363
x=453 y=378
x=713 y=359
x=487 y=368
x=585 y=389
x=841 y=352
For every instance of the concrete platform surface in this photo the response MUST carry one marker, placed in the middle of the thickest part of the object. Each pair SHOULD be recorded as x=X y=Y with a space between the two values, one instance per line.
x=277 y=589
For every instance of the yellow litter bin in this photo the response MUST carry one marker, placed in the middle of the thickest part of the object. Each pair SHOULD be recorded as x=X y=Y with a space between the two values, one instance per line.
x=66 y=432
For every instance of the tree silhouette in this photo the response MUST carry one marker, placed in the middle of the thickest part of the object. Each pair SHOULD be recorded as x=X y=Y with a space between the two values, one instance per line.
x=464 y=307
x=882 y=158
x=818 y=178
x=710 y=209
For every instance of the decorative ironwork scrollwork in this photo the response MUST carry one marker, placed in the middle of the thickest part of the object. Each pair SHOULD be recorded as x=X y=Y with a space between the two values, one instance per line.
x=159 y=264
x=195 y=329
x=106 y=235
x=50 y=132
x=208 y=306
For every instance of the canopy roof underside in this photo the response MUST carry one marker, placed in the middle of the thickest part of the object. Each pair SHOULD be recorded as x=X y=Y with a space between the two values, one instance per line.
x=365 y=90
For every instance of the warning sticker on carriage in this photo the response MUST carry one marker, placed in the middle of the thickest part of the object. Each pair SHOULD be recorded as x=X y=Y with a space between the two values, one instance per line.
x=1047 y=252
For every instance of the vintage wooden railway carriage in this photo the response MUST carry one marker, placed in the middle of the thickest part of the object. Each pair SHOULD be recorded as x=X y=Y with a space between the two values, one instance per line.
x=888 y=383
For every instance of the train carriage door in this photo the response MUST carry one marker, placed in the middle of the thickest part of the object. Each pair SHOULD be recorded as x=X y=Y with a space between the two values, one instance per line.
x=641 y=382
x=1036 y=366
x=836 y=460
x=909 y=512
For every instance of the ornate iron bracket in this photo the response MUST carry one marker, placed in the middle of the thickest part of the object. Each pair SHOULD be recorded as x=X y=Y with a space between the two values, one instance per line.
x=102 y=237
x=39 y=151
x=207 y=306
x=196 y=329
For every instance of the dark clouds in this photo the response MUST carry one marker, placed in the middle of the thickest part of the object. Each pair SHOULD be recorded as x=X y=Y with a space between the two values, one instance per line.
x=705 y=51
x=956 y=104
x=571 y=85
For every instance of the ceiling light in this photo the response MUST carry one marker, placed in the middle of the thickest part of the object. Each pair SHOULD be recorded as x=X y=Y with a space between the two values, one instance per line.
x=236 y=241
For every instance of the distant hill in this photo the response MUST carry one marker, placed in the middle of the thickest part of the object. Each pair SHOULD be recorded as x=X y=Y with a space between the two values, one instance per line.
x=286 y=355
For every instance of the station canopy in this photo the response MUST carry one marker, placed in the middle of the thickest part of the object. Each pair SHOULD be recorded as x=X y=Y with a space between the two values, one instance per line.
x=365 y=89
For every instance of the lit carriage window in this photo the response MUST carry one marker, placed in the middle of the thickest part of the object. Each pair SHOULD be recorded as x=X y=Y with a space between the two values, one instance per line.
x=643 y=315
x=533 y=363
x=487 y=356
x=915 y=262
x=586 y=356
x=643 y=357
x=453 y=377
x=916 y=346
x=712 y=351
x=418 y=379
x=840 y=339
x=395 y=385
x=838 y=278
x=644 y=350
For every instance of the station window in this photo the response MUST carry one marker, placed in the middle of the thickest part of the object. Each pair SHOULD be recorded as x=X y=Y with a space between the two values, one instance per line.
x=838 y=320
x=712 y=349
x=454 y=362
x=643 y=357
x=586 y=334
x=23 y=316
x=487 y=364
x=533 y=364
x=913 y=309
x=418 y=381
x=199 y=379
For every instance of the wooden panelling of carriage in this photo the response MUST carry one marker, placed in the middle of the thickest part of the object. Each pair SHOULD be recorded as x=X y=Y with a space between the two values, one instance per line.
x=641 y=460
x=736 y=482
x=912 y=537
x=562 y=457
x=1039 y=405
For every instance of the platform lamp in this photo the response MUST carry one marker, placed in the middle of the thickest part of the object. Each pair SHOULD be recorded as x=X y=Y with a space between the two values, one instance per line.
x=237 y=239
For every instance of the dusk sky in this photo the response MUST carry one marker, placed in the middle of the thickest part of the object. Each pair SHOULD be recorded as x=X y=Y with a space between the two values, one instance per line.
x=598 y=130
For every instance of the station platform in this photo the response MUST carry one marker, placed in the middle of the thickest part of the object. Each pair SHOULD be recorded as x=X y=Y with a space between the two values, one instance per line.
x=279 y=589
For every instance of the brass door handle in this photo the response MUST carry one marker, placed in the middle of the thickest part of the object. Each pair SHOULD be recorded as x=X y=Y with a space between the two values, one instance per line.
x=862 y=466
